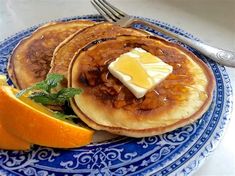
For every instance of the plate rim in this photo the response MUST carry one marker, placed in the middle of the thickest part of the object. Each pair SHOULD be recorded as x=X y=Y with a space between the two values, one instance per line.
x=189 y=169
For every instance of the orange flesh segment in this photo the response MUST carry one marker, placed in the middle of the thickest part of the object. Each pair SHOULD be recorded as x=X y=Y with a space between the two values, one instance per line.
x=34 y=123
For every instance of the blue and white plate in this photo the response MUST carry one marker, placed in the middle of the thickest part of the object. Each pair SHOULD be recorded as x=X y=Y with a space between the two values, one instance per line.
x=179 y=152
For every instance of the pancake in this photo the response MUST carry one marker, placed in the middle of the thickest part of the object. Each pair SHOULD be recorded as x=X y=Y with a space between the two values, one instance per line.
x=30 y=60
x=106 y=104
x=65 y=51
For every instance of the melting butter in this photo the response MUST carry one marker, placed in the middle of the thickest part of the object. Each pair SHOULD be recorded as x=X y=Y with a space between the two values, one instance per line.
x=139 y=71
x=131 y=67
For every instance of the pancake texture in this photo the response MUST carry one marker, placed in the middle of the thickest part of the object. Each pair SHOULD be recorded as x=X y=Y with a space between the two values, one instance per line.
x=30 y=60
x=65 y=51
x=106 y=104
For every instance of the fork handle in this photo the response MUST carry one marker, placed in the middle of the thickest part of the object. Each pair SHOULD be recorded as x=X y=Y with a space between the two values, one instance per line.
x=223 y=57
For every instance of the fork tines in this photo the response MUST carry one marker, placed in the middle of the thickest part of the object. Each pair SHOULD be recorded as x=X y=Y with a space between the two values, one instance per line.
x=111 y=13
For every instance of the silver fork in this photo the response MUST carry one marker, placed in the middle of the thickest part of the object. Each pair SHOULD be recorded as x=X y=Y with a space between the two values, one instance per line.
x=118 y=17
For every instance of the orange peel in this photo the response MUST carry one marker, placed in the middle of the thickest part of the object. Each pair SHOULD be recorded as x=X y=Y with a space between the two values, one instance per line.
x=35 y=124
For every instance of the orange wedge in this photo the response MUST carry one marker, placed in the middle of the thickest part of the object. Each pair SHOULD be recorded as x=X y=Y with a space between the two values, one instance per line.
x=9 y=141
x=35 y=123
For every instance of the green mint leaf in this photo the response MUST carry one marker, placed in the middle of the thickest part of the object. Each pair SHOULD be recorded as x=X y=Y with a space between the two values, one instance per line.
x=38 y=86
x=67 y=93
x=53 y=80
x=43 y=98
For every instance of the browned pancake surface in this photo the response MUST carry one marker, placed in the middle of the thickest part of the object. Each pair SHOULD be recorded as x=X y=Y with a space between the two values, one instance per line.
x=65 y=51
x=93 y=76
x=30 y=61
x=108 y=105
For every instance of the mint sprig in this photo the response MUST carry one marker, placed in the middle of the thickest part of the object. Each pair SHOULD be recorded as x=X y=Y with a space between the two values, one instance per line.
x=42 y=91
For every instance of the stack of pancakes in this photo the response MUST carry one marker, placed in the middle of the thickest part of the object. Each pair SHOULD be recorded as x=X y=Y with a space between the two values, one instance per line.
x=82 y=50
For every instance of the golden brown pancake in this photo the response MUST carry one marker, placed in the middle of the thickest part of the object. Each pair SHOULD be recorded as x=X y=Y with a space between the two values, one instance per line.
x=65 y=51
x=30 y=60
x=106 y=104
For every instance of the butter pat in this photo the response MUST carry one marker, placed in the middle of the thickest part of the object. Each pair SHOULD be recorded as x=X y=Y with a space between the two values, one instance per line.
x=139 y=71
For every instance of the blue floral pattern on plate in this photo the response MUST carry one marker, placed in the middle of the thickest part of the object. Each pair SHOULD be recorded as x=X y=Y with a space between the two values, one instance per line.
x=179 y=152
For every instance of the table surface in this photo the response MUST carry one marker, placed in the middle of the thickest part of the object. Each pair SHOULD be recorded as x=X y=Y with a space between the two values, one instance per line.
x=210 y=20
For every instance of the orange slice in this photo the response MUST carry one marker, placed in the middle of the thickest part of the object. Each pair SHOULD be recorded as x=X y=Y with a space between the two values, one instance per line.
x=35 y=123
x=9 y=141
